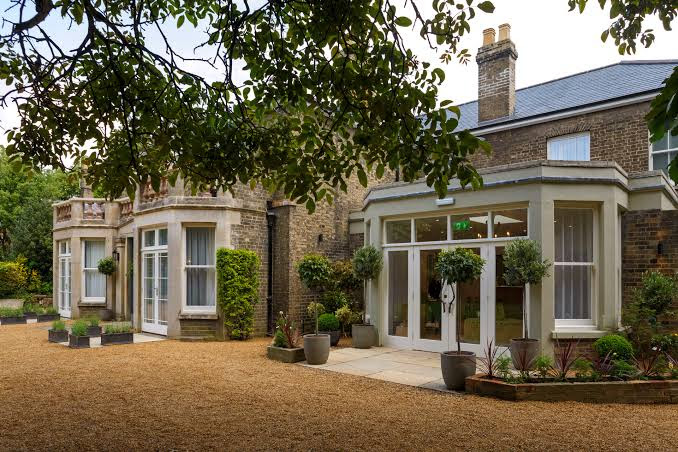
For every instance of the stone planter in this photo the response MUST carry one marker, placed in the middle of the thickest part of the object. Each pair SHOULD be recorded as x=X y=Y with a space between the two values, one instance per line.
x=48 y=317
x=285 y=355
x=647 y=391
x=57 y=336
x=455 y=367
x=524 y=352
x=78 y=341
x=12 y=320
x=335 y=336
x=364 y=336
x=117 y=338
x=317 y=348
x=93 y=331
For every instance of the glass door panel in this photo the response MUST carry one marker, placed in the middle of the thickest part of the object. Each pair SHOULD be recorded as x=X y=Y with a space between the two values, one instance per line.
x=162 y=288
x=155 y=278
x=398 y=293
x=508 y=305
x=149 y=287
x=430 y=297
x=469 y=309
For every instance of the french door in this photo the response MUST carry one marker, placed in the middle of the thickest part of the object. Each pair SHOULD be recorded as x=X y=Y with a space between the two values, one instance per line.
x=64 y=279
x=154 y=290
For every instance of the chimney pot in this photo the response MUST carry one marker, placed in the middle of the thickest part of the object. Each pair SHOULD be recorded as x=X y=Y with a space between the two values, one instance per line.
x=504 y=32
x=488 y=36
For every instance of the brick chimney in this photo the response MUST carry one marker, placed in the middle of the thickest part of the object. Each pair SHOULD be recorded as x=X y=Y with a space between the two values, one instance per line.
x=496 y=75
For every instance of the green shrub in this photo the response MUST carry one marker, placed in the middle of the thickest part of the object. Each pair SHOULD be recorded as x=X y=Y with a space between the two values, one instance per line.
x=13 y=278
x=51 y=310
x=657 y=292
x=107 y=266
x=279 y=339
x=58 y=325
x=315 y=271
x=623 y=370
x=582 y=368
x=617 y=346
x=116 y=328
x=92 y=321
x=237 y=290
x=343 y=276
x=79 y=328
x=328 y=322
x=543 y=365
x=523 y=263
x=333 y=300
x=11 y=312
x=367 y=262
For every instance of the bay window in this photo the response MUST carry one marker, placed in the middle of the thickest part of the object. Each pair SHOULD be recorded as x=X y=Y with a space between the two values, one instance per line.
x=199 y=269
x=94 y=281
x=573 y=266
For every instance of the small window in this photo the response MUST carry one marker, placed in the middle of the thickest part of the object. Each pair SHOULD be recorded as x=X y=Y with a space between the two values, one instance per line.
x=470 y=226
x=431 y=229
x=570 y=147
x=95 y=282
x=162 y=237
x=200 y=268
x=155 y=238
x=510 y=223
x=399 y=231
x=149 y=238
x=664 y=151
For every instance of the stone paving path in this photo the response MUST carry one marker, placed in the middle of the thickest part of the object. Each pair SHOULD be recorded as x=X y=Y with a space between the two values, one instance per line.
x=407 y=367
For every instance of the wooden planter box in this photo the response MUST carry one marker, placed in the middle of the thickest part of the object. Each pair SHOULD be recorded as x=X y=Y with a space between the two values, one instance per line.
x=30 y=315
x=78 y=341
x=117 y=338
x=13 y=320
x=286 y=355
x=48 y=317
x=94 y=331
x=57 y=336
x=638 y=391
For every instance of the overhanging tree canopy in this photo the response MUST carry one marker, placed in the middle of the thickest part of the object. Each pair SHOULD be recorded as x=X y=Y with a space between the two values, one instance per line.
x=331 y=91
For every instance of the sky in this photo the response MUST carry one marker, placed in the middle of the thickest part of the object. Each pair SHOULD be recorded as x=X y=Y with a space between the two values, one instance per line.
x=551 y=43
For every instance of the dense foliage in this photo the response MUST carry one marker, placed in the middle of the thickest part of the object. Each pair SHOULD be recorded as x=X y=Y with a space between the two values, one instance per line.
x=58 y=325
x=315 y=271
x=286 y=332
x=13 y=278
x=79 y=328
x=330 y=91
x=26 y=213
x=107 y=266
x=334 y=300
x=614 y=346
x=367 y=262
x=237 y=290
x=523 y=263
x=328 y=322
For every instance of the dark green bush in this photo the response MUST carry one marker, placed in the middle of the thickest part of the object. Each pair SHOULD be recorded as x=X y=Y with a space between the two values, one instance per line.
x=11 y=312
x=657 y=292
x=58 y=325
x=367 y=262
x=13 y=278
x=328 y=322
x=315 y=271
x=344 y=278
x=617 y=346
x=279 y=339
x=333 y=301
x=237 y=290
x=107 y=266
x=623 y=370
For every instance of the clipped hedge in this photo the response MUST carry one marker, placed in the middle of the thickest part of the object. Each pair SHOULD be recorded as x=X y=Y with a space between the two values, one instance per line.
x=13 y=278
x=237 y=290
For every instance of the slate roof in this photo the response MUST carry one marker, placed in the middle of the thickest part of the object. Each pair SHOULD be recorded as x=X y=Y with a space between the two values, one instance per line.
x=616 y=81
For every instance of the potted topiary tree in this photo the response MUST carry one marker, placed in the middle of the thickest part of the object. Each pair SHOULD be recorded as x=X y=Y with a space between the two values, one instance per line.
x=523 y=265
x=367 y=264
x=328 y=324
x=457 y=266
x=316 y=346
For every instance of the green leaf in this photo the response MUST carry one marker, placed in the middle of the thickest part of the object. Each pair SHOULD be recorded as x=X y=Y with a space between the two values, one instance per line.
x=403 y=21
x=362 y=177
x=486 y=7
x=180 y=21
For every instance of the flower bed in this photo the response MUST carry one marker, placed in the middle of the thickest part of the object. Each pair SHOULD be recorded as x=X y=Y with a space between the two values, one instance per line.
x=636 y=391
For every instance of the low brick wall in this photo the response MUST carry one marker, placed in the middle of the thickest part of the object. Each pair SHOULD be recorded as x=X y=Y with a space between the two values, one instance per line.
x=652 y=391
x=205 y=329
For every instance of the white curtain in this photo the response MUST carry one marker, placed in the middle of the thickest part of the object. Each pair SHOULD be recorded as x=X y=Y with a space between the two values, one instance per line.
x=95 y=282
x=575 y=147
x=573 y=263
x=200 y=283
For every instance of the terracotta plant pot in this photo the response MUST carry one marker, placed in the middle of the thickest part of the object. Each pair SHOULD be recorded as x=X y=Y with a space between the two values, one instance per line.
x=456 y=367
x=364 y=336
x=317 y=348
x=334 y=337
x=524 y=352
x=57 y=336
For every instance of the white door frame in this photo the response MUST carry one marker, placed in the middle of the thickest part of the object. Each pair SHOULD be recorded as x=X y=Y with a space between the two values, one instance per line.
x=155 y=325
x=65 y=296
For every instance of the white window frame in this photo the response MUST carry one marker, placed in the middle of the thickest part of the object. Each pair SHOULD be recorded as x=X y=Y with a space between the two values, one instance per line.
x=564 y=324
x=184 y=306
x=552 y=140
x=65 y=263
x=156 y=242
x=663 y=151
x=86 y=299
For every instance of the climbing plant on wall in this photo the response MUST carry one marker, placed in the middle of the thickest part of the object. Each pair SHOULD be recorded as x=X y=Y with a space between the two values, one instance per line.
x=237 y=290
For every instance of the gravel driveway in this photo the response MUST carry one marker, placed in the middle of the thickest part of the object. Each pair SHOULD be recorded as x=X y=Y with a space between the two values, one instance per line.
x=228 y=396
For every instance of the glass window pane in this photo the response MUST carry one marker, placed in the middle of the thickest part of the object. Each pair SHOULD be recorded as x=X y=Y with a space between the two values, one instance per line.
x=149 y=238
x=660 y=161
x=573 y=235
x=573 y=291
x=431 y=229
x=471 y=226
x=94 y=252
x=662 y=144
x=398 y=231
x=162 y=237
x=673 y=141
x=430 y=293
x=468 y=310
x=508 y=306
x=510 y=223
x=398 y=290
x=574 y=147
x=199 y=246
x=200 y=287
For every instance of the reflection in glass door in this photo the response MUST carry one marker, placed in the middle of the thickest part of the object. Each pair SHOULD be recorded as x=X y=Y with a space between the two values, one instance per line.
x=469 y=309
x=431 y=329
x=508 y=309
x=398 y=297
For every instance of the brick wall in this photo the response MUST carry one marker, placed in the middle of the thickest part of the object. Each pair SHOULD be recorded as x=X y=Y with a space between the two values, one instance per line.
x=496 y=80
x=618 y=135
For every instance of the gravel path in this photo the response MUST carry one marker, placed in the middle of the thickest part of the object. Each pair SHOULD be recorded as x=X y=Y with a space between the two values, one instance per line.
x=228 y=396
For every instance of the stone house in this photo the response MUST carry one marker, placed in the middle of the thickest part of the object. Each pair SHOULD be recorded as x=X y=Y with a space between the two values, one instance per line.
x=572 y=167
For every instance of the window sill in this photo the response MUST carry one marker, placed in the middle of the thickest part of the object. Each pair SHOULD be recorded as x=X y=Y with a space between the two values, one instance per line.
x=93 y=303
x=578 y=333
x=198 y=316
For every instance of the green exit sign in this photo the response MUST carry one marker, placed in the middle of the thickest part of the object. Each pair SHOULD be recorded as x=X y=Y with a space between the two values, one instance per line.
x=463 y=225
